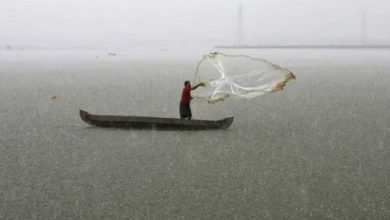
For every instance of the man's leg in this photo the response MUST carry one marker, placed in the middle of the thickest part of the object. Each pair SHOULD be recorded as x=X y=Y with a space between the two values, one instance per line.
x=182 y=112
x=189 y=113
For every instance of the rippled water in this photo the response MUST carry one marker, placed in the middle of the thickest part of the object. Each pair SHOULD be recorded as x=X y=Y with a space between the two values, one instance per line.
x=318 y=150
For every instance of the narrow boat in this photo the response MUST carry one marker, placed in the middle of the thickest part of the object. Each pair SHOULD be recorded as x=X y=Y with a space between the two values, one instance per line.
x=111 y=121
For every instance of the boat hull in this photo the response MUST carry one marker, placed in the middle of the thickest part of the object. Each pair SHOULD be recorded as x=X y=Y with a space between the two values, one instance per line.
x=134 y=122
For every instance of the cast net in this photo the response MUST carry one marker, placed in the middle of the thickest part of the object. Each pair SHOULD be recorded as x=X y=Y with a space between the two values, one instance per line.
x=238 y=76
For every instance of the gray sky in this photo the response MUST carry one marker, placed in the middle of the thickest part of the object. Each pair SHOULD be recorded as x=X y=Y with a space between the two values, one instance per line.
x=129 y=23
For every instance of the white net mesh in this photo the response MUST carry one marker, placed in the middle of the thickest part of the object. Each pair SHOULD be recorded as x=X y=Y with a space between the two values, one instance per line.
x=238 y=76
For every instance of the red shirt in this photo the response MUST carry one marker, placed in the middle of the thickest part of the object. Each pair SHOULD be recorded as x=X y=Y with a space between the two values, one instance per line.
x=186 y=95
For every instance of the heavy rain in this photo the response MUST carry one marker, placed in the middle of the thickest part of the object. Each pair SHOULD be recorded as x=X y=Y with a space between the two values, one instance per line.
x=317 y=149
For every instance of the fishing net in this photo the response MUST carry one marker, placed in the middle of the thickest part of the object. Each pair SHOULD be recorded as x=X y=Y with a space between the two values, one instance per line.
x=238 y=76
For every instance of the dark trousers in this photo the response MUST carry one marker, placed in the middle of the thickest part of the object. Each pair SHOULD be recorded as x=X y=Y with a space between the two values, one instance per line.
x=185 y=111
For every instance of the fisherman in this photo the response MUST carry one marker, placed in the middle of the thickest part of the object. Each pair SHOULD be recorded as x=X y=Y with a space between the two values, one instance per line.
x=185 y=109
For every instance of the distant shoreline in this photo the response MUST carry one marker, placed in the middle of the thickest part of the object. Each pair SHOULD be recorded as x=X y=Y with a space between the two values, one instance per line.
x=303 y=46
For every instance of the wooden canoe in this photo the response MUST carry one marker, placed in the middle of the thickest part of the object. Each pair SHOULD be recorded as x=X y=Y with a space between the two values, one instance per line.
x=110 y=121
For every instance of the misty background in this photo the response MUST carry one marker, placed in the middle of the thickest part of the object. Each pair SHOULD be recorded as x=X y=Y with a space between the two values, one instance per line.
x=170 y=23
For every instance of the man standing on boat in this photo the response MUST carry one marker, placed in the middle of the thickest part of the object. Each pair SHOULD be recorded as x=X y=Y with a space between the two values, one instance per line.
x=185 y=109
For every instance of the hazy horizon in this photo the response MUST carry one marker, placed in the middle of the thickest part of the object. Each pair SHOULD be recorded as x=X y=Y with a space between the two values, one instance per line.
x=119 y=23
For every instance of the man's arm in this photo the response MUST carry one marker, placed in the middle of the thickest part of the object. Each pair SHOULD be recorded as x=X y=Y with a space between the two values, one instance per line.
x=200 y=84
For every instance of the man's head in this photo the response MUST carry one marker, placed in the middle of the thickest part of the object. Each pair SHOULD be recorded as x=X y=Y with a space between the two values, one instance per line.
x=187 y=83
